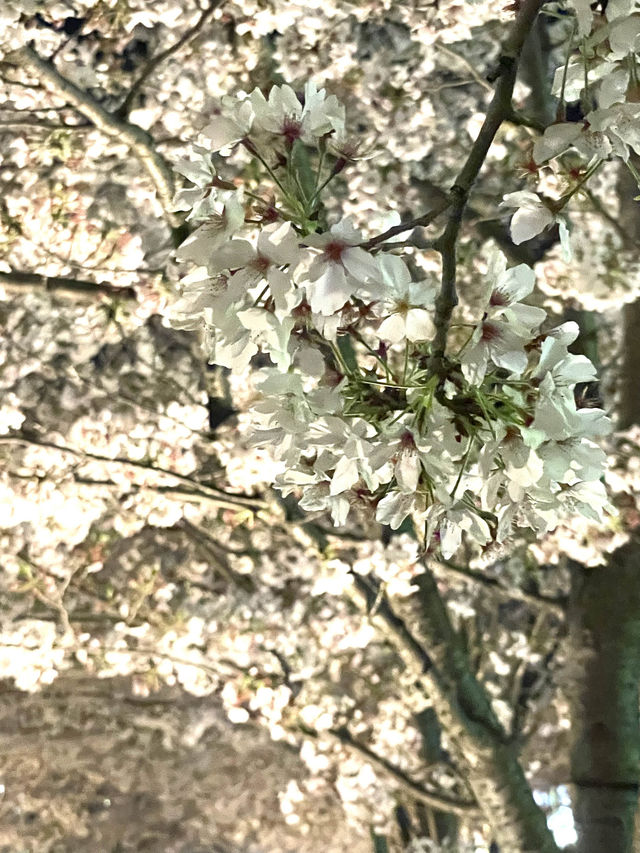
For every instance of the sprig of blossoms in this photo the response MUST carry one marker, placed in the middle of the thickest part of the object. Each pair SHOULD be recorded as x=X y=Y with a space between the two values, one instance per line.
x=602 y=73
x=352 y=407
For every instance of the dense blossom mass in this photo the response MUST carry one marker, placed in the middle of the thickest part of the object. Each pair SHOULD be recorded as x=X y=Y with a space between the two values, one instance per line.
x=361 y=416
x=143 y=543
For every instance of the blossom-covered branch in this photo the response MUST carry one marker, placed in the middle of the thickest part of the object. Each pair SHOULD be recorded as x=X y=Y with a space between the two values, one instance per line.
x=360 y=407
x=134 y=136
x=435 y=799
x=499 y=110
x=557 y=606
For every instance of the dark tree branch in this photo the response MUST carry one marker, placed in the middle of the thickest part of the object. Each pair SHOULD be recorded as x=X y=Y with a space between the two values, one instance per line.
x=500 y=109
x=217 y=554
x=18 y=281
x=464 y=707
x=435 y=799
x=420 y=222
x=557 y=606
x=225 y=500
x=377 y=604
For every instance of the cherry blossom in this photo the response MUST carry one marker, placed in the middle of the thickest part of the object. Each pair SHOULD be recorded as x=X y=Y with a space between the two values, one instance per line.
x=340 y=270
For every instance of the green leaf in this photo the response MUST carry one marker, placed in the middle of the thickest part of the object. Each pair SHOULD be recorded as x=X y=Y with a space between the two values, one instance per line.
x=301 y=165
x=347 y=352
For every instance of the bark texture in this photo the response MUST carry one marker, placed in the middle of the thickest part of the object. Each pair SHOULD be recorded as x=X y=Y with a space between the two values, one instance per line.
x=480 y=744
x=494 y=772
x=605 y=760
x=629 y=381
x=629 y=378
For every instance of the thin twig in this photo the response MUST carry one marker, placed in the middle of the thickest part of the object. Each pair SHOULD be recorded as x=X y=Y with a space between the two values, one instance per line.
x=610 y=218
x=557 y=606
x=124 y=109
x=448 y=51
x=420 y=222
x=498 y=111
x=225 y=500
x=437 y=800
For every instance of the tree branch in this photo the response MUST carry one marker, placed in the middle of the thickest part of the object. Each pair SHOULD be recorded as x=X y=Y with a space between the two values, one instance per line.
x=377 y=605
x=435 y=799
x=140 y=142
x=225 y=500
x=499 y=110
x=435 y=657
x=557 y=606
x=464 y=706
x=421 y=222
x=220 y=558
x=18 y=281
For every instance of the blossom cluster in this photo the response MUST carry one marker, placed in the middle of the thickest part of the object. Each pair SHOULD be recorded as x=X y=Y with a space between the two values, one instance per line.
x=355 y=408
x=600 y=74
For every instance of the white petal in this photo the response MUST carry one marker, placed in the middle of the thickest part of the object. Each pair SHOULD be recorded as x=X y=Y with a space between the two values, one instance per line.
x=556 y=139
x=393 y=271
x=222 y=132
x=419 y=324
x=346 y=232
x=527 y=315
x=330 y=291
x=522 y=198
x=565 y=333
x=285 y=296
x=527 y=223
x=392 y=329
x=515 y=362
x=516 y=283
x=450 y=538
x=233 y=255
x=408 y=472
x=394 y=508
x=358 y=263
x=279 y=243
x=565 y=241
x=584 y=15
x=345 y=475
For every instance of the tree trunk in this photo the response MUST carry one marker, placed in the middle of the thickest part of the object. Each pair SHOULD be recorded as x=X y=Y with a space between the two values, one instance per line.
x=628 y=380
x=605 y=760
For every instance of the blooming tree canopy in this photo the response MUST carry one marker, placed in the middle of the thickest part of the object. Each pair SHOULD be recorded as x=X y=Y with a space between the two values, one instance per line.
x=391 y=227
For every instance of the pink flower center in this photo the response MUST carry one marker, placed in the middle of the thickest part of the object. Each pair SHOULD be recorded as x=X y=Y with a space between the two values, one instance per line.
x=498 y=298
x=261 y=264
x=291 y=130
x=333 y=251
x=490 y=332
x=407 y=441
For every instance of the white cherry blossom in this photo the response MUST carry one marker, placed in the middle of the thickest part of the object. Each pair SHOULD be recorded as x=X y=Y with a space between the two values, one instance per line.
x=290 y=118
x=408 y=305
x=341 y=268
